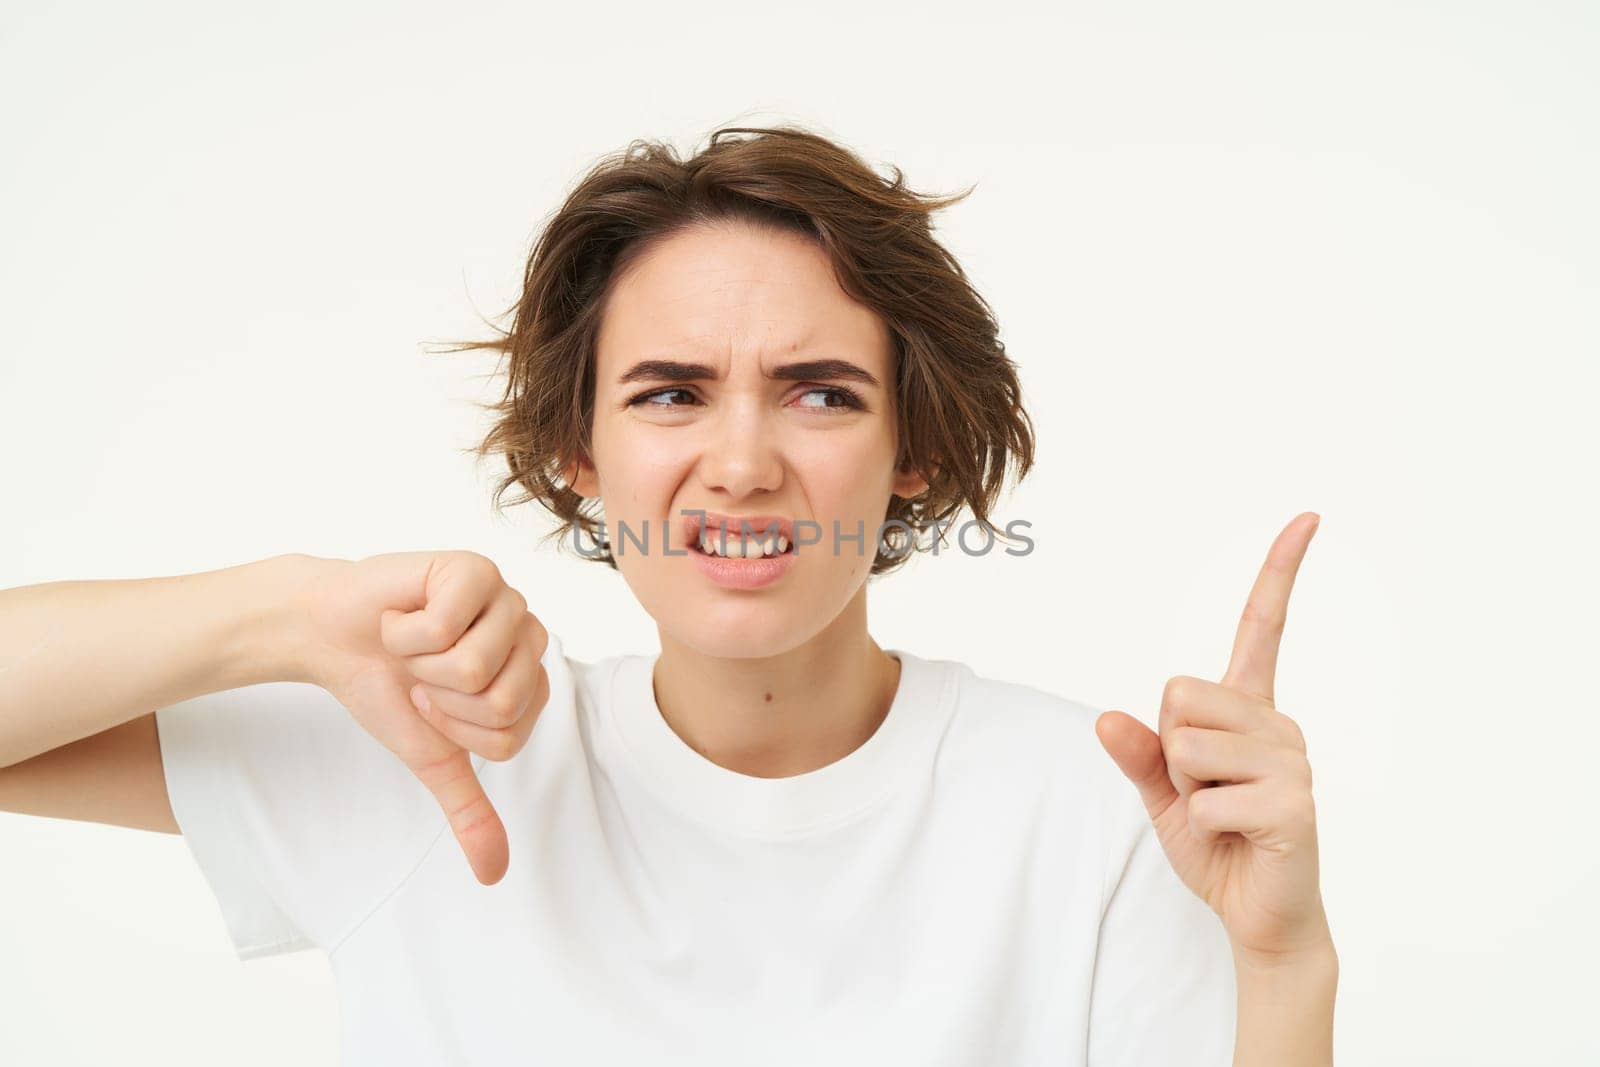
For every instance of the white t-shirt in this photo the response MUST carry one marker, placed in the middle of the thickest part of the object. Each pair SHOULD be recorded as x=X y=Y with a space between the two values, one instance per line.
x=975 y=884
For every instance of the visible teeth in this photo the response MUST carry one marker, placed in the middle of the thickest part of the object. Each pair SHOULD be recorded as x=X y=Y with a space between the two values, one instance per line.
x=743 y=547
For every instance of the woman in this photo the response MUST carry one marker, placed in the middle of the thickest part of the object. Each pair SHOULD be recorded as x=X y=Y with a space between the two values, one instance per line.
x=775 y=841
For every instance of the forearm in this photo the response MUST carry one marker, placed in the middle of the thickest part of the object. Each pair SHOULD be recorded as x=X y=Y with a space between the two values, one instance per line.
x=79 y=657
x=1285 y=1010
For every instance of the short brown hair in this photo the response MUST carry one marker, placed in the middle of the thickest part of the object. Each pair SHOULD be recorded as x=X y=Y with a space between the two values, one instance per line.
x=958 y=400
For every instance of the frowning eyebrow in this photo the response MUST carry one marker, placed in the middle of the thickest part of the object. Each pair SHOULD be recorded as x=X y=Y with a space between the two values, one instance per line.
x=669 y=370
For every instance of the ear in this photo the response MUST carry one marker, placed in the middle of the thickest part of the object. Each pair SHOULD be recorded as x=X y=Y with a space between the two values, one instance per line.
x=908 y=483
x=581 y=478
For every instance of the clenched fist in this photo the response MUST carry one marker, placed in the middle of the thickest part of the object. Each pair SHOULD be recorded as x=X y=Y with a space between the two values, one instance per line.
x=436 y=657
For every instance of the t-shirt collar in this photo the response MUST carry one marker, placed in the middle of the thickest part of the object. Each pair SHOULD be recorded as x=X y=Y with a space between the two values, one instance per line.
x=903 y=746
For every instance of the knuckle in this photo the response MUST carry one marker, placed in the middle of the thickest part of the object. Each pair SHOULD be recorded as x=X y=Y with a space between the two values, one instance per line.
x=1266 y=616
x=1169 y=691
x=504 y=706
x=541 y=691
x=539 y=637
x=471 y=668
x=436 y=772
x=1180 y=699
x=466 y=818
x=1169 y=704
x=1179 y=694
x=500 y=747
x=1297 y=736
x=437 y=631
x=485 y=565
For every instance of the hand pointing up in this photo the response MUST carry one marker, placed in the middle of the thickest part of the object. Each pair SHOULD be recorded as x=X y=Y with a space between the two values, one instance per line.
x=1226 y=781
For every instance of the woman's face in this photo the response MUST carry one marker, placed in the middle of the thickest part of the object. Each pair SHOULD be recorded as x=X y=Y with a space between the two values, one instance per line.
x=695 y=412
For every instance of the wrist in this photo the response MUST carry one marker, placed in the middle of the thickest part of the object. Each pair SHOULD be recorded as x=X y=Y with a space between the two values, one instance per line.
x=276 y=643
x=1285 y=1007
x=1310 y=965
x=1308 y=948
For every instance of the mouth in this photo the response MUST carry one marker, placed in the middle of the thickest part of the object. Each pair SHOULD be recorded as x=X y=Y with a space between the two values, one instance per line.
x=738 y=538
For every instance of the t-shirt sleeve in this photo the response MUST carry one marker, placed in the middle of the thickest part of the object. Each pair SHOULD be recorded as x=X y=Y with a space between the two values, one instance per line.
x=300 y=821
x=1164 y=989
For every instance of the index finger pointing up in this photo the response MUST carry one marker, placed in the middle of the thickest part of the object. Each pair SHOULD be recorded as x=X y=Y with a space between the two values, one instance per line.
x=1255 y=647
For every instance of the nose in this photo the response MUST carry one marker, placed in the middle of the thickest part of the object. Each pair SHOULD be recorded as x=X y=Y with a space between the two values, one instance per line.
x=741 y=456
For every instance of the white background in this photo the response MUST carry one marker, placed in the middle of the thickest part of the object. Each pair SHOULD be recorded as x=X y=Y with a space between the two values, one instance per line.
x=1251 y=259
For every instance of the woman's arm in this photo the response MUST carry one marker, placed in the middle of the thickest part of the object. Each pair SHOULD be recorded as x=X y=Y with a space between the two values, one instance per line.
x=84 y=666
x=81 y=657
x=1285 y=1016
x=432 y=652
x=114 y=777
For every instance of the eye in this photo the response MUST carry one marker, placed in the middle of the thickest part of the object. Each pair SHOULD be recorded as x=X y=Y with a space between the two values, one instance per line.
x=833 y=398
x=845 y=398
x=648 y=399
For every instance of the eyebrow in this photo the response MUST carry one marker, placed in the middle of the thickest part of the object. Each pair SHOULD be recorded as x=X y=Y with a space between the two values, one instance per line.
x=670 y=370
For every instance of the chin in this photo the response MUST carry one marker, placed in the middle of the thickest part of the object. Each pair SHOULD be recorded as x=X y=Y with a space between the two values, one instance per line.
x=733 y=627
x=739 y=646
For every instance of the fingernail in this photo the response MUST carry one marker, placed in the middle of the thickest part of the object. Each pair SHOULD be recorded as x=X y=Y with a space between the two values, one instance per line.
x=419 y=698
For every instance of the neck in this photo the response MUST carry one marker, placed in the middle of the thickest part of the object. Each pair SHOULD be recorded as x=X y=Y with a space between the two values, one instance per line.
x=778 y=716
